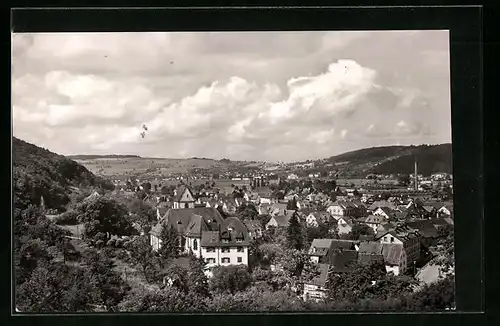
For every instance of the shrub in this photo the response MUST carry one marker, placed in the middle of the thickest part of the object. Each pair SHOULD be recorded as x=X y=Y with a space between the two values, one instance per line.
x=67 y=218
x=119 y=243
x=99 y=244
x=111 y=243
x=108 y=252
x=100 y=237
x=122 y=255
x=127 y=244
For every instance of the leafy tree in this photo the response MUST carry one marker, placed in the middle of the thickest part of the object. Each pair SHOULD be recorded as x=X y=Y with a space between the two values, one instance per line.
x=56 y=288
x=269 y=252
x=31 y=254
x=325 y=187
x=292 y=204
x=435 y=296
x=247 y=211
x=167 y=190
x=146 y=186
x=365 y=281
x=230 y=279
x=106 y=216
x=169 y=242
x=141 y=212
x=142 y=299
x=140 y=194
x=177 y=277
x=197 y=280
x=404 y=179
x=142 y=255
x=358 y=230
x=110 y=287
x=297 y=266
x=255 y=300
x=294 y=233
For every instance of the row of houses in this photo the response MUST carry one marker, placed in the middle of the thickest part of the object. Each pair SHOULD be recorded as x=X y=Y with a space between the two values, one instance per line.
x=397 y=250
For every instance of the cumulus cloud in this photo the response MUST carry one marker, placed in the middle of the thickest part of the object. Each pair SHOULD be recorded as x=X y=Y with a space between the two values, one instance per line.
x=255 y=96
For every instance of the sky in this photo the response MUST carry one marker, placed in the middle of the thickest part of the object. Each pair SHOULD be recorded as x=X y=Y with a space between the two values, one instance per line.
x=256 y=96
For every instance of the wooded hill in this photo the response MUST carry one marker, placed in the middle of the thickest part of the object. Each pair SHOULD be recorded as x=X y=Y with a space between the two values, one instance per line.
x=38 y=172
x=396 y=159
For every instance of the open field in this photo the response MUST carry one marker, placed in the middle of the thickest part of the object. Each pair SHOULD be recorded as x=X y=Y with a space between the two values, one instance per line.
x=156 y=166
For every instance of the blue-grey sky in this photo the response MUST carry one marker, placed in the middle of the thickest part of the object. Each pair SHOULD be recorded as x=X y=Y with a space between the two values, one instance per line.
x=242 y=95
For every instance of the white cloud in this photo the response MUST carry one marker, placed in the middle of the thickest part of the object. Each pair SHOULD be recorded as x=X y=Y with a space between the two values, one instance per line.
x=401 y=124
x=240 y=95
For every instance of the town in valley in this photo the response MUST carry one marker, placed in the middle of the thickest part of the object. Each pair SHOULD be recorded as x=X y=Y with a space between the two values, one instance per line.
x=232 y=172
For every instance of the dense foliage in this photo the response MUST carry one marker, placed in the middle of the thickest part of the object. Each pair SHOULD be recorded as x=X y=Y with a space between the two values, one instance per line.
x=38 y=172
x=113 y=270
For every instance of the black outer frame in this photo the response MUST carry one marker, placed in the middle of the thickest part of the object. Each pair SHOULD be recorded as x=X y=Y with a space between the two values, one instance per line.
x=465 y=25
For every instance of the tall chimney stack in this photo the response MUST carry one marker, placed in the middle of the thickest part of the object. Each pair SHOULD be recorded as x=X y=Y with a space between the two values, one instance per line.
x=416 y=175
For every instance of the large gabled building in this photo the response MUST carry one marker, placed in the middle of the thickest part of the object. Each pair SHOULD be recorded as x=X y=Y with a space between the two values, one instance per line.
x=204 y=232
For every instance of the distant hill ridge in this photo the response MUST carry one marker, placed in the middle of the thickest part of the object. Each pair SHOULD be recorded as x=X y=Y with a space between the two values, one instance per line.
x=93 y=157
x=39 y=172
x=398 y=159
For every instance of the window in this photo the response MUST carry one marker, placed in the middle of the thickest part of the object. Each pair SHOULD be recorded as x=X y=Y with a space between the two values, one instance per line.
x=210 y=260
x=185 y=205
x=225 y=250
x=392 y=239
x=210 y=249
x=226 y=260
x=195 y=244
x=240 y=249
x=240 y=259
x=239 y=240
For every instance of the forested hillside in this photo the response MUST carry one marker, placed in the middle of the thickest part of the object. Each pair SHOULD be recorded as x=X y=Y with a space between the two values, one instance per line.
x=397 y=159
x=38 y=172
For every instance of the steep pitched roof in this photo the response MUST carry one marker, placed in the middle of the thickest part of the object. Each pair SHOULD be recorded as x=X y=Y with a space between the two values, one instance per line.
x=196 y=226
x=231 y=229
x=392 y=253
x=368 y=259
x=428 y=208
x=282 y=220
x=180 y=191
x=343 y=260
x=280 y=206
x=321 y=243
x=180 y=219
x=424 y=227
x=320 y=247
x=321 y=216
x=381 y=203
x=342 y=244
x=374 y=219
x=388 y=211
x=370 y=247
